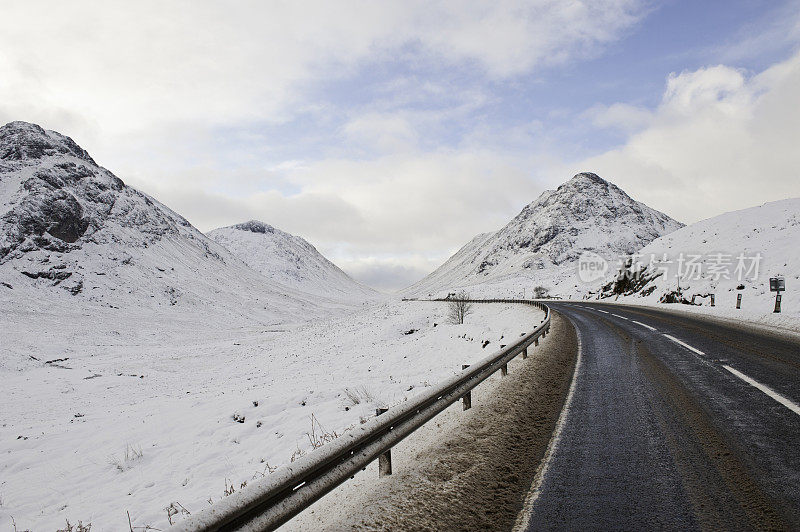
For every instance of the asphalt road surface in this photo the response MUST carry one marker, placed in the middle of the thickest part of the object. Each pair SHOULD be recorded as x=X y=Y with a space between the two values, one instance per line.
x=674 y=423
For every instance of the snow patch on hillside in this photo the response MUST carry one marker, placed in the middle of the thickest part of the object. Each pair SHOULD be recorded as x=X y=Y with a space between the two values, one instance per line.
x=733 y=253
x=288 y=260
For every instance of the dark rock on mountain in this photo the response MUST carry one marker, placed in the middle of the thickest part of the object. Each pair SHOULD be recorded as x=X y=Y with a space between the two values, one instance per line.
x=66 y=199
x=20 y=141
x=254 y=226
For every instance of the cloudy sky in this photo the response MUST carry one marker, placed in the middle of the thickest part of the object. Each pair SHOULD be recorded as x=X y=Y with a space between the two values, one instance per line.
x=388 y=134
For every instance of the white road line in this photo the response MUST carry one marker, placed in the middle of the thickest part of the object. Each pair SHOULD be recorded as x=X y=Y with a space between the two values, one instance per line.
x=603 y=311
x=643 y=325
x=524 y=516
x=687 y=346
x=766 y=389
x=617 y=315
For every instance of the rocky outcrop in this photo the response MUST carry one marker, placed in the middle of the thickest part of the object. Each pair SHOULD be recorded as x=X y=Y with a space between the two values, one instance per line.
x=65 y=199
x=20 y=141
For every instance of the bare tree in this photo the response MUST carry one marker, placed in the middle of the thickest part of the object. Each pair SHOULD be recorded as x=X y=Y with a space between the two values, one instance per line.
x=460 y=307
x=540 y=292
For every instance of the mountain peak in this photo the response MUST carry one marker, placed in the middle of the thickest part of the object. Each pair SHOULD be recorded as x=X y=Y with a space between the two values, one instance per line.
x=542 y=244
x=254 y=226
x=21 y=141
x=586 y=181
x=588 y=176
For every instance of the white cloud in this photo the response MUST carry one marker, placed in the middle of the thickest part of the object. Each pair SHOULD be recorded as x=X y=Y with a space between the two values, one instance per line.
x=620 y=116
x=110 y=68
x=381 y=131
x=389 y=273
x=148 y=86
x=691 y=92
x=411 y=203
x=720 y=140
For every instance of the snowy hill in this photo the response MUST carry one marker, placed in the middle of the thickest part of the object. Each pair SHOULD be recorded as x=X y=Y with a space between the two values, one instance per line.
x=720 y=256
x=288 y=260
x=73 y=234
x=541 y=246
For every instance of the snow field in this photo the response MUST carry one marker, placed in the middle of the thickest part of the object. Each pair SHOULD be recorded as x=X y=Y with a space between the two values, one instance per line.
x=463 y=470
x=129 y=424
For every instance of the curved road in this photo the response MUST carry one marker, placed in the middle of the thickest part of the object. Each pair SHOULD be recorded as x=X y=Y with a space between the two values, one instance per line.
x=674 y=422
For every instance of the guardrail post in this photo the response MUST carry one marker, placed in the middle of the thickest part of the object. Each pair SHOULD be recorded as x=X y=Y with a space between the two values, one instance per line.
x=385 y=459
x=536 y=341
x=466 y=399
x=524 y=353
x=504 y=370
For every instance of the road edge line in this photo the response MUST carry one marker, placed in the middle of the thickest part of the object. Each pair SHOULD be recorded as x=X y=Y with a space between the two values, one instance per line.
x=524 y=516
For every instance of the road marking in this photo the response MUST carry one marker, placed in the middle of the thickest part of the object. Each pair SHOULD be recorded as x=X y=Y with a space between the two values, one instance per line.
x=766 y=389
x=643 y=325
x=617 y=315
x=603 y=311
x=524 y=516
x=684 y=344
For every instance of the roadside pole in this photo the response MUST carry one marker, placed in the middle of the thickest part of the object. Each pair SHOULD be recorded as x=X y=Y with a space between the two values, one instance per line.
x=777 y=285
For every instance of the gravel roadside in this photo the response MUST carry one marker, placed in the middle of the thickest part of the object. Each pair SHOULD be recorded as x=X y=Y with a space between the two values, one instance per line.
x=463 y=470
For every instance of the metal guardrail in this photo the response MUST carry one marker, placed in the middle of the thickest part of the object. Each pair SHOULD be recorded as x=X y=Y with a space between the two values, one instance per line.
x=273 y=500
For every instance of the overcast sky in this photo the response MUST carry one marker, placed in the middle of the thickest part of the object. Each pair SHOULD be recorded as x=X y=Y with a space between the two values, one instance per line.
x=388 y=134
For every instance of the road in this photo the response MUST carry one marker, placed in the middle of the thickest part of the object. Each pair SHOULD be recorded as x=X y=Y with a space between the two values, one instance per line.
x=674 y=423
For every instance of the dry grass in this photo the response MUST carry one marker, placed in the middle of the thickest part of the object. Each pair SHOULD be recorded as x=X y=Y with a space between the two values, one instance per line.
x=318 y=435
x=80 y=527
x=132 y=454
x=359 y=395
x=146 y=528
x=14 y=524
x=268 y=470
x=176 y=508
x=297 y=453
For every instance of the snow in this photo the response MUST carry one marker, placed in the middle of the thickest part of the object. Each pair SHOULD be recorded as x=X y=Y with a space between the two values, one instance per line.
x=132 y=344
x=463 y=470
x=289 y=260
x=168 y=385
x=771 y=231
x=542 y=245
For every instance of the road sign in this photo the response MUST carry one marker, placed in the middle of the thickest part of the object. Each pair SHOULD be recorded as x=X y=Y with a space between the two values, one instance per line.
x=777 y=284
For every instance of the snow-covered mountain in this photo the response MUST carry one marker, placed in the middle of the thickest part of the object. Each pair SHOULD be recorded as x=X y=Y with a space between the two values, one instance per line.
x=727 y=255
x=288 y=259
x=72 y=232
x=541 y=246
